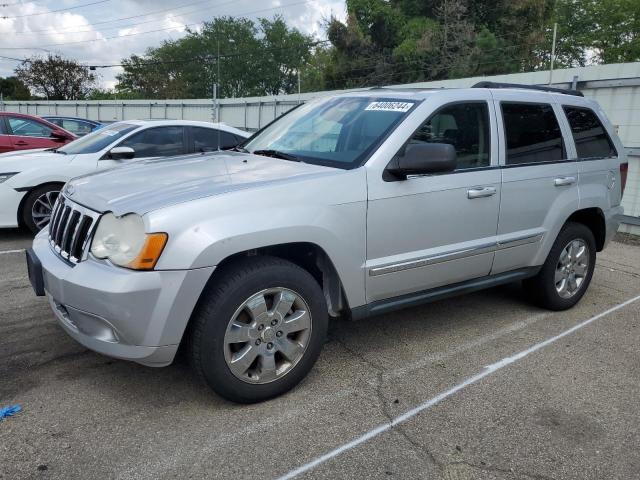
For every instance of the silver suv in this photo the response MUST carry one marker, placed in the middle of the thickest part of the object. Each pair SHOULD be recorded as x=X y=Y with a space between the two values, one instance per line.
x=350 y=205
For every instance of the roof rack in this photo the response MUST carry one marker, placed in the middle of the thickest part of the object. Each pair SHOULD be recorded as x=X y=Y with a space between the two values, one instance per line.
x=528 y=87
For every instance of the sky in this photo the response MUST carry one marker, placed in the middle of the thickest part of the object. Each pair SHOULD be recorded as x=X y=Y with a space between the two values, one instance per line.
x=103 y=32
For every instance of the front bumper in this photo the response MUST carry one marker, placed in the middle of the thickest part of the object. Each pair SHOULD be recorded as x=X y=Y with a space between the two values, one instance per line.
x=9 y=203
x=139 y=316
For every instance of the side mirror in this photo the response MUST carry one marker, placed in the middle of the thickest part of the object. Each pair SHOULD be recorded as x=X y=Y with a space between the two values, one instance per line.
x=423 y=158
x=121 y=153
x=60 y=136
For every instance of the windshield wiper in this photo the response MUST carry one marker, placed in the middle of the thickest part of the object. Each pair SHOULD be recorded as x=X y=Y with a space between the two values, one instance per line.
x=55 y=150
x=237 y=148
x=277 y=154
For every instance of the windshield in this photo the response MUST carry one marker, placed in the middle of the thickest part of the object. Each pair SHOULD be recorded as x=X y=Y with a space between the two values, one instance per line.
x=96 y=141
x=337 y=131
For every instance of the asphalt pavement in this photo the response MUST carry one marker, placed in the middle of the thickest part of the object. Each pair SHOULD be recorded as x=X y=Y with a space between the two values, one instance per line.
x=404 y=395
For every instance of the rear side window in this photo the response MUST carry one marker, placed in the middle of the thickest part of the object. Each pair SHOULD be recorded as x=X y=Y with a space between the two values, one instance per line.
x=25 y=127
x=156 y=142
x=206 y=139
x=592 y=140
x=463 y=125
x=532 y=133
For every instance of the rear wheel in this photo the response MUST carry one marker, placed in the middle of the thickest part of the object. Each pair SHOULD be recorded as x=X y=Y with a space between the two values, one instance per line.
x=38 y=205
x=567 y=272
x=258 y=329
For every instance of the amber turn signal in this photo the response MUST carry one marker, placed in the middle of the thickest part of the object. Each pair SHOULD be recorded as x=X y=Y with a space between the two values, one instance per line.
x=150 y=253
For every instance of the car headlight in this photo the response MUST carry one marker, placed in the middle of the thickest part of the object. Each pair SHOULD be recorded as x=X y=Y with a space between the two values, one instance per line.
x=124 y=242
x=6 y=176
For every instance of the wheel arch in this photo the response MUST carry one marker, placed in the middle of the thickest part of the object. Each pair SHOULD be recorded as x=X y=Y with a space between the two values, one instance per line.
x=592 y=218
x=27 y=192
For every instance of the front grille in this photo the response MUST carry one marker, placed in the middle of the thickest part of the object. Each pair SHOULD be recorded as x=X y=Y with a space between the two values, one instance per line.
x=70 y=229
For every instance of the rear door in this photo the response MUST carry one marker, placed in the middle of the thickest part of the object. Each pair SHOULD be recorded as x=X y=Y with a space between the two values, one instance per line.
x=539 y=177
x=27 y=133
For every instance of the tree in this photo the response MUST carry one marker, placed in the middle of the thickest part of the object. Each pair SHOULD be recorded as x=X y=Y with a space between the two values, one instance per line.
x=255 y=59
x=56 y=78
x=13 y=89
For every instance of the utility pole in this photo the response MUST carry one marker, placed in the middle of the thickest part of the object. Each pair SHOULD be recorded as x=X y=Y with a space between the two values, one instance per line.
x=299 y=100
x=553 y=51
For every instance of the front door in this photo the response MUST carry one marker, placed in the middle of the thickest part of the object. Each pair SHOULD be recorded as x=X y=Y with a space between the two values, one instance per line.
x=433 y=230
x=27 y=134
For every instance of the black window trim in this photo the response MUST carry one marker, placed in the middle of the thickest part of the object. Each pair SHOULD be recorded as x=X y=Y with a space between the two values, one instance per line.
x=606 y=132
x=533 y=164
x=136 y=132
x=387 y=178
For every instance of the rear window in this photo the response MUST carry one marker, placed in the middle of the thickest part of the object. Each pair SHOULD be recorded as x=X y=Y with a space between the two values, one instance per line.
x=590 y=137
x=532 y=133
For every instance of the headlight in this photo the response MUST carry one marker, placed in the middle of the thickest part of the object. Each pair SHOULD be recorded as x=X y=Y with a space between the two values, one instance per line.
x=6 y=176
x=124 y=242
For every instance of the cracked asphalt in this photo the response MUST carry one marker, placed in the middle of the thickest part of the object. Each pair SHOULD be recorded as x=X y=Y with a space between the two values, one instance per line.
x=567 y=411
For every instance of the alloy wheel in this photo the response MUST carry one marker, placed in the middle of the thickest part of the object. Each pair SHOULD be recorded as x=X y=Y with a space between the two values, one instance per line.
x=42 y=208
x=267 y=335
x=572 y=268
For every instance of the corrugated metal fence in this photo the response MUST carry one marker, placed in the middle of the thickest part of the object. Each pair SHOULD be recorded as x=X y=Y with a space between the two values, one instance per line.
x=616 y=87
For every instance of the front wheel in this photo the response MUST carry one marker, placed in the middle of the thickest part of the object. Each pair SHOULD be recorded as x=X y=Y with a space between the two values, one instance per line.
x=38 y=206
x=258 y=329
x=567 y=272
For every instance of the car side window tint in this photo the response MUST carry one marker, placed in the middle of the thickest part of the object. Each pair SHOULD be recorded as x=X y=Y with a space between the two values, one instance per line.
x=25 y=127
x=466 y=126
x=532 y=133
x=156 y=142
x=3 y=130
x=206 y=139
x=589 y=135
x=75 y=126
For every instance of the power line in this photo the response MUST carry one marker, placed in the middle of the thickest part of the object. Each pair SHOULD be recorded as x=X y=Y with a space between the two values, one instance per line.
x=150 y=31
x=34 y=32
x=54 y=11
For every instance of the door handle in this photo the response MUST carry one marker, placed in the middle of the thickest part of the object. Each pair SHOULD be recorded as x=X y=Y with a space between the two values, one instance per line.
x=562 y=181
x=481 y=192
x=21 y=143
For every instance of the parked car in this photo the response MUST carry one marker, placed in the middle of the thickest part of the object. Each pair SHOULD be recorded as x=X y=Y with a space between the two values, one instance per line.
x=31 y=181
x=19 y=131
x=77 y=126
x=350 y=205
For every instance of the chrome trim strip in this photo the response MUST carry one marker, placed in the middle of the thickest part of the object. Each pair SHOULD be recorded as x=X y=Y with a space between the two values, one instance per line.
x=455 y=255
x=433 y=259
x=520 y=241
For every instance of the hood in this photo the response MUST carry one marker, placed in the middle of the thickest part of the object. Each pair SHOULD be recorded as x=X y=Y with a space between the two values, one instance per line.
x=152 y=184
x=22 y=152
x=29 y=159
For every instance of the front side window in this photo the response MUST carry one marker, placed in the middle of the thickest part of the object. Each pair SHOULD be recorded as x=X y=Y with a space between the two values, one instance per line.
x=96 y=141
x=77 y=127
x=465 y=126
x=532 y=133
x=25 y=127
x=590 y=137
x=156 y=142
x=336 y=131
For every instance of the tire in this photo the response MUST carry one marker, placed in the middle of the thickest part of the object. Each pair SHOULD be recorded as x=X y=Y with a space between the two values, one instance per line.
x=546 y=289
x=241 y=345
x=37 y=206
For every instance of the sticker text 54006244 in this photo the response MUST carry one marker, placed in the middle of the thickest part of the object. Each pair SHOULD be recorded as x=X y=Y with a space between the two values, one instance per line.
x=389 y=106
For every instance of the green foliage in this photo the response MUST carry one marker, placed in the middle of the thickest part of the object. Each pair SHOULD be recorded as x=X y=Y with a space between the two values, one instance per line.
x=255 y=59
x=13 y=89
x=56 y=77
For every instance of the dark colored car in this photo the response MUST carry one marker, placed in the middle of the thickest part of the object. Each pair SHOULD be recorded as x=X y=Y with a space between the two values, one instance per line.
x=19 y=131
x=75 y=125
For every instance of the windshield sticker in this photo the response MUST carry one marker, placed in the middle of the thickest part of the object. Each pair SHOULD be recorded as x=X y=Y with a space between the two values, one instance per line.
x=390 y=106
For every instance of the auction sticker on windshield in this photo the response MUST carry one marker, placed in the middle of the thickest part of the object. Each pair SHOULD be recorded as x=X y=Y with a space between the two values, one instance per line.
x=390 y=106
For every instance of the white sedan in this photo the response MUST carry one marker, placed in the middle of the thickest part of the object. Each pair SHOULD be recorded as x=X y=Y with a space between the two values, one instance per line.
x=30 y=181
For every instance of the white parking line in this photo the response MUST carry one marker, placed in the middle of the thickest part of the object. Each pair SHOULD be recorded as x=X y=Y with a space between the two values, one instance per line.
x=5 y=252
x=438 y=398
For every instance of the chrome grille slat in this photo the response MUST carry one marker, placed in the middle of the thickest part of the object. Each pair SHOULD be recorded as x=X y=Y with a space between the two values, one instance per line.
x=70 y=229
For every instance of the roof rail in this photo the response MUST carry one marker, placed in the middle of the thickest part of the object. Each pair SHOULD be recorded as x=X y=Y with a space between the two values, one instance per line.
x=528 y=87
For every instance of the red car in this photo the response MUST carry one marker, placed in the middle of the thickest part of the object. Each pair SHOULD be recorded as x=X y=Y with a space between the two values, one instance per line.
x=23 y=132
